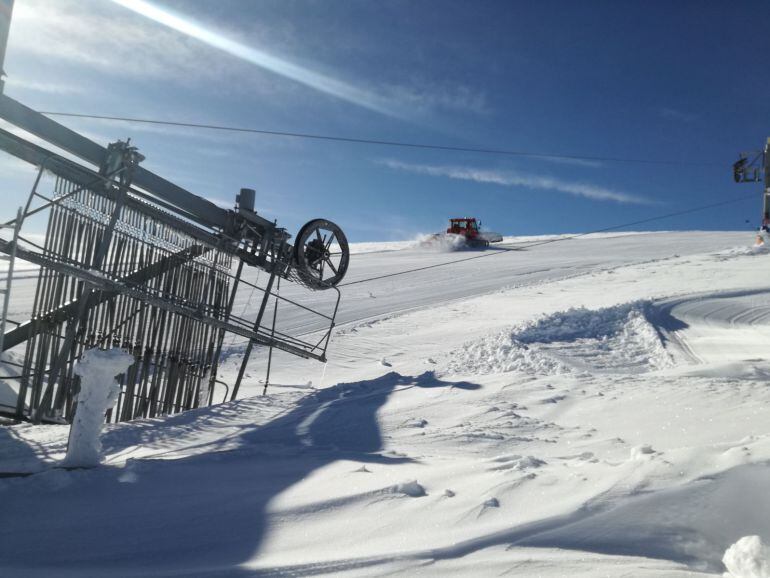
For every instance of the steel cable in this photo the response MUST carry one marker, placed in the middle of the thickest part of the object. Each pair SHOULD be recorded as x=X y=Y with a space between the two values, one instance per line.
x=504 y=250
x=380 y=142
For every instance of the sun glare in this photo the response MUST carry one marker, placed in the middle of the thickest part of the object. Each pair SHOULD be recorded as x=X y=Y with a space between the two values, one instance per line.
x=260 y=58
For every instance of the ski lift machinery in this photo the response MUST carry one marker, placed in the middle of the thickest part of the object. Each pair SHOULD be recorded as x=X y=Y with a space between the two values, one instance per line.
x=754 y=167
x=134 y=261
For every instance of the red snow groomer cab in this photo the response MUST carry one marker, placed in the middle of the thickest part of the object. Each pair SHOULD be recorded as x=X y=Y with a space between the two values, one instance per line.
x=469 y=228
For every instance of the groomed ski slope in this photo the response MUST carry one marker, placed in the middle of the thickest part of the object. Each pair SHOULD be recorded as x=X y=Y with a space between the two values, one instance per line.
x=594 y=407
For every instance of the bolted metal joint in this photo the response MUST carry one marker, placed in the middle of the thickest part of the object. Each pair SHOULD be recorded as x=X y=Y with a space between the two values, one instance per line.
x=120 y=162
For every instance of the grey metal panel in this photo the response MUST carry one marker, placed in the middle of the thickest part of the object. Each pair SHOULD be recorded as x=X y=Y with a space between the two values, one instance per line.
x=32 y=121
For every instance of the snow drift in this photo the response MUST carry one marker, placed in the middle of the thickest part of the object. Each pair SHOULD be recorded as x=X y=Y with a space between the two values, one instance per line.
x=622 y=339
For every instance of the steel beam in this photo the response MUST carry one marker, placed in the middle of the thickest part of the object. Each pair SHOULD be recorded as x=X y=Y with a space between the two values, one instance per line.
x=38 y=156
x=203 y=211
x=25 y=330
x=250 y=344
x=105 y=284
x=6 y=9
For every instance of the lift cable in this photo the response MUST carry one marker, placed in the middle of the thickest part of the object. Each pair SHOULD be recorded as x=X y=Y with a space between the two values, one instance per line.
x=504 y=250
x=414 y=145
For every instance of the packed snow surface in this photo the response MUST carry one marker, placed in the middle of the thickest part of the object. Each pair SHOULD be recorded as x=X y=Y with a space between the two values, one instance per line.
x=587 y=407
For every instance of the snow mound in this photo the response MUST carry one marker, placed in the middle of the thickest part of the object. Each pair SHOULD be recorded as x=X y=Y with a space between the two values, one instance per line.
x=410 y=488
x=748 y=250
x=517 y=463
x=502 y=354
x=623 y=337
x=749 y=557
x=643 y=452
x=491 y=503
x=582 y=323
x=620 y=338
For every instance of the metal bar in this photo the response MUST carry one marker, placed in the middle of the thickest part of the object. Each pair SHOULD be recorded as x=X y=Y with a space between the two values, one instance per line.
x=250 y=345
x=227 y=390
x=204 y=212
x=38 y=156
x=50 y=202
x=9 y=278
x=24 y=331
x=90 y=298
x=330 y=317
x=331 y=327
x=221 y=336
x=272 y=338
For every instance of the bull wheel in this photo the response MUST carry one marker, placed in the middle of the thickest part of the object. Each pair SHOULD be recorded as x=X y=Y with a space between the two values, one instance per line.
x=321 y=254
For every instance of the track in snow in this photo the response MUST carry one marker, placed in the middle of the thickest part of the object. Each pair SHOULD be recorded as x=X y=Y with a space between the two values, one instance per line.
x=481 y=276
x=723 y=329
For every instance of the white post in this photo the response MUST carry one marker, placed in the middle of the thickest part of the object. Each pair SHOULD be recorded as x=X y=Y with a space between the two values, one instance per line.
x=99 y=391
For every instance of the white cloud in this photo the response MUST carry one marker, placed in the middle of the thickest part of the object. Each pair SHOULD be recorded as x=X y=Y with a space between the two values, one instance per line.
x=515 y=179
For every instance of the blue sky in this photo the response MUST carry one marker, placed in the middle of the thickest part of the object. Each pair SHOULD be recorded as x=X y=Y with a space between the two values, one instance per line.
x=679 y=81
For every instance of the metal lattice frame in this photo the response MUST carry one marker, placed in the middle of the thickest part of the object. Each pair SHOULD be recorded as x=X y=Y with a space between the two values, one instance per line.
x=147 y=269
x=174 y=351
x=118 y=269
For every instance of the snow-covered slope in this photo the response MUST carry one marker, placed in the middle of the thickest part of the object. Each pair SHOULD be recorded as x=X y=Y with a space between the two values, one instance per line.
x=589 y=407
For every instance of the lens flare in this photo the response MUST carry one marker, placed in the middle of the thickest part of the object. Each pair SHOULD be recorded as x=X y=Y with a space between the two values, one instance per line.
x=260 y=58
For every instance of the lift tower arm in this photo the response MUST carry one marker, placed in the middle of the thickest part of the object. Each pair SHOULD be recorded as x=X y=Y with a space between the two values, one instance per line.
x=754 y=167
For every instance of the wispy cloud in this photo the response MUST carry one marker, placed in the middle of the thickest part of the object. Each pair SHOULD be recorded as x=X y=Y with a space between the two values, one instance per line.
x=173 y=48
x=261 y=58
x=60 y=32
x=423 y=98
x=678 y=115
x=17 y=82
x=515 y=179
x=87 y=33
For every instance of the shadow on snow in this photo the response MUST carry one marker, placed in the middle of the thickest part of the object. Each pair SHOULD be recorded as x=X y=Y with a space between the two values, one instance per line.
x=203 y=514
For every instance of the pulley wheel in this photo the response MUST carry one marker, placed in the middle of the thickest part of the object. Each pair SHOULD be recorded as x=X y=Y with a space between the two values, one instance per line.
x=321 y=254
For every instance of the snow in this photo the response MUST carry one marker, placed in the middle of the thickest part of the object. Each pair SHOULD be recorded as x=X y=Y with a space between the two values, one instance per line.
x=592 y=407
x=445 y=243
x=747 y=558
x=99 y=390
x=620 y=336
